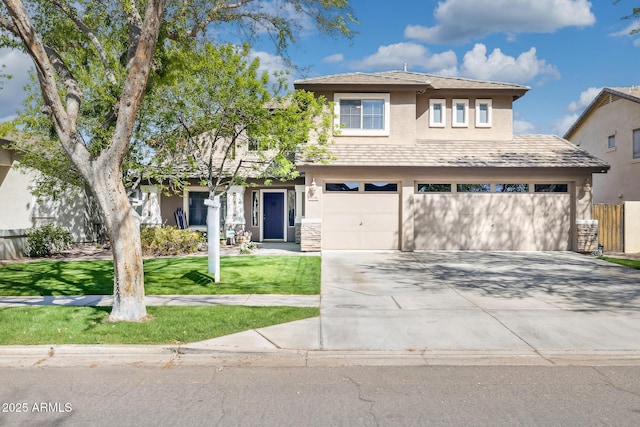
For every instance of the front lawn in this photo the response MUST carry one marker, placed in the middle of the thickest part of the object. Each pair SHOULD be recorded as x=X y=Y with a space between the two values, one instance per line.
x=633 y=263
x=167 y=325
x=167 y=276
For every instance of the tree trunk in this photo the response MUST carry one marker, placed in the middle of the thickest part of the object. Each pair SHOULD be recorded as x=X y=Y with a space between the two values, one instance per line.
x=123 y=228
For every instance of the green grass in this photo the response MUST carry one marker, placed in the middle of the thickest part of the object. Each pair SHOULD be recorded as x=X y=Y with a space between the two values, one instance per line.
x=168 y=325
x=167 y=276
x=633 y=263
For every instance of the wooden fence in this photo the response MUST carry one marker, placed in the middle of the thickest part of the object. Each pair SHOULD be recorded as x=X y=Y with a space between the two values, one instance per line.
x=610 y=226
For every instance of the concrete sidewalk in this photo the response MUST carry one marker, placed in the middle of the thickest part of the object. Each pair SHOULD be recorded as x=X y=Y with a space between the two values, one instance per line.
x=393 y=308
x=254 y=300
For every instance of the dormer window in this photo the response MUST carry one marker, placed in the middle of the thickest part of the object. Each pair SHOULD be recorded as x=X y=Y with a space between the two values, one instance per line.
x=437 y=113
x=460 y=113
x=365 y=114
x=484 y=113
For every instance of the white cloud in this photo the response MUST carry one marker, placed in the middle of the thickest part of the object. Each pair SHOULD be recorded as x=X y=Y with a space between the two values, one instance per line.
x=627 y=32
x=394 y=56
x=562 y=126
x=522 y=126
x=464 y=20
x=12 y=93
x=585 y=99
x=338 y=57
x=498 y=66
x=274 y=65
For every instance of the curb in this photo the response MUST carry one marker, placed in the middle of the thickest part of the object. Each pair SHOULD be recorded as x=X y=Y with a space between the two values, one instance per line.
x=167 y=356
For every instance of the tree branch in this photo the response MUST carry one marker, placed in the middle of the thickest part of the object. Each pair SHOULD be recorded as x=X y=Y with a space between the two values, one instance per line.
x=89 y=34
x=213 y=14
x=46 y=60
x=135 y=26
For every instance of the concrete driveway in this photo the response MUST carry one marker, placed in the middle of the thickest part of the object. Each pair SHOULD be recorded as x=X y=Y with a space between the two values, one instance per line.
x=478 y=301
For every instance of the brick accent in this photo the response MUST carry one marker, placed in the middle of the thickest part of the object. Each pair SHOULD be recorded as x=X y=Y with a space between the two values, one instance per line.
x=311 y=235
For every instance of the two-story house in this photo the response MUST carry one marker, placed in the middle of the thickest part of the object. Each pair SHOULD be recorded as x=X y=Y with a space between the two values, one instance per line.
x=428 y=162
x=609 y=128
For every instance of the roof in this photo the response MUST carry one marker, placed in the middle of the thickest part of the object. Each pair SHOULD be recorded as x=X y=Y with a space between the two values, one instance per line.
x=531 y=151
x=606 y=96
x=403 y=80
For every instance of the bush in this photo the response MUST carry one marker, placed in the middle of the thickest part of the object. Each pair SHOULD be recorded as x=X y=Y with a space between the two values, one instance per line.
x=48 y=240
x=166 y=241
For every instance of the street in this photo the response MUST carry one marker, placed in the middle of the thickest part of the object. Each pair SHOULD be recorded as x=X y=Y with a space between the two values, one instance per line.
x=324 y=396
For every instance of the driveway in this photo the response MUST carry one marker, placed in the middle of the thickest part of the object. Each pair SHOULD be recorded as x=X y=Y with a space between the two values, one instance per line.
x=484 y=301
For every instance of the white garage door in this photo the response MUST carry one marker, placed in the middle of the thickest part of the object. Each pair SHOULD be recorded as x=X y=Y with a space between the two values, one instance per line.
x=360 y=215
x=538 y=219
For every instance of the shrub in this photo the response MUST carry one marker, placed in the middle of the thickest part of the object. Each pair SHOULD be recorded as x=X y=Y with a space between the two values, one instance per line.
x=166 y=241
x=48 y=240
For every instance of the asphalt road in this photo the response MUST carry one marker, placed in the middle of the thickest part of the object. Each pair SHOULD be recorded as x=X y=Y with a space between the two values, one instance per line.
x=347 y=396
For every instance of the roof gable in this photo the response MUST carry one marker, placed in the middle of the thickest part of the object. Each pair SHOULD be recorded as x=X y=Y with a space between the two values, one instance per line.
x=606 y=96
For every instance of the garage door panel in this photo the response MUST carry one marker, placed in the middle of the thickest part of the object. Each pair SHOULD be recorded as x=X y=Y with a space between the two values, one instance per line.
x=493 y=221
x=360 y=221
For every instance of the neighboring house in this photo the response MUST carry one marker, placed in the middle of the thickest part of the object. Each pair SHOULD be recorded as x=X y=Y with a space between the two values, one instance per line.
x=20 y=210
x=419 y=162
x=609 y=128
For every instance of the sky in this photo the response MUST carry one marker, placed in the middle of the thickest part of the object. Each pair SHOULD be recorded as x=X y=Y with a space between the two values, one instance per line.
x=564 y=50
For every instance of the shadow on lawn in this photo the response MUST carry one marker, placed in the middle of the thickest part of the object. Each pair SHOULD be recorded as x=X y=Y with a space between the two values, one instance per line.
x=57 y=278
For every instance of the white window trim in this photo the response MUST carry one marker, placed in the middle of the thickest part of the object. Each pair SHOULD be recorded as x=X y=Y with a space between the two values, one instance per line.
x=489 y=103
x=443 y=111
x=454 y=116
x=337 y=97
x=185 y=203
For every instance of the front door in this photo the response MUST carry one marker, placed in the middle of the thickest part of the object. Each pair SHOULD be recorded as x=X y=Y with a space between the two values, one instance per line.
x=273 y=220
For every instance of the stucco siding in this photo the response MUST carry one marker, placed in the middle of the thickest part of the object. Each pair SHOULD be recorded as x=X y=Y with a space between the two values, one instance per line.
x=618 y=118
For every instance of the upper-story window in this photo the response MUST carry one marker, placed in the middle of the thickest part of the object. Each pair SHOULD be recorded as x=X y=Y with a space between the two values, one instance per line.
x=636 y=144
x=611 y=142
x=484 y=113
x=364 y=114
x=437 y=113
x=460 y=113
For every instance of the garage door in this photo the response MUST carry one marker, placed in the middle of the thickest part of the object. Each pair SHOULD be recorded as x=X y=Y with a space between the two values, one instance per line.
x=360 y=215
x=531 y=217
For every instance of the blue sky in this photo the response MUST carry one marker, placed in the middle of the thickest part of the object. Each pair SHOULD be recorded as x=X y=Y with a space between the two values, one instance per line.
x=565 y=50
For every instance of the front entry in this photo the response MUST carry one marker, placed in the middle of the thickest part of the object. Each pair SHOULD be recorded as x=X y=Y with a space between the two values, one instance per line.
x=273 y=215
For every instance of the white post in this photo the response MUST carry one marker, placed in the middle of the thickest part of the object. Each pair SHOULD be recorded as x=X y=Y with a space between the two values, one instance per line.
x=213 y=235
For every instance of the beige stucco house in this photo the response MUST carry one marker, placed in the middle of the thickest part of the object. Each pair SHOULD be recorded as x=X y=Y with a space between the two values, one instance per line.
x=418 y=162
x=428 y=162
x=21 y=210
x=609 y=128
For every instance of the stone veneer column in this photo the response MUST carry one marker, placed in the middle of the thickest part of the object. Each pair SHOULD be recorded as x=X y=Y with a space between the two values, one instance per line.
x=311 y=237
x=151 y=214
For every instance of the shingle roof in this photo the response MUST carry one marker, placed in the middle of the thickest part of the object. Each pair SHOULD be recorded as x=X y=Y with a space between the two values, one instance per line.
x=536 y=151
x=404 y=78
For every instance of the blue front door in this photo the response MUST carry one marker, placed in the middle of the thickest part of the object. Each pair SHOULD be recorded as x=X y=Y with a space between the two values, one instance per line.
x=273 y=221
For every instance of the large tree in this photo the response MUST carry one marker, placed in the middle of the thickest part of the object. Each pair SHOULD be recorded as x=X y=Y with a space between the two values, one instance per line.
x=96 y=60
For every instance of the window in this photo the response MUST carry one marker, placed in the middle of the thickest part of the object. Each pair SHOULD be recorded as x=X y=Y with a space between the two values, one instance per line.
x=460 y=113
x=437 y=112
x=342 y=186
x=434 y=188
x=380 y=186
x=197 y=209
x=512 y=188
x=473 y=188
x=611 y=142
x=636 y=144
x=551 y=188
x=483 y=113
x=362 y=113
